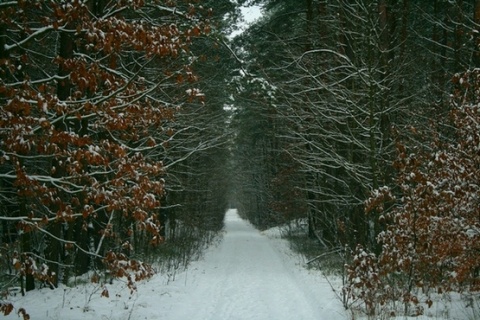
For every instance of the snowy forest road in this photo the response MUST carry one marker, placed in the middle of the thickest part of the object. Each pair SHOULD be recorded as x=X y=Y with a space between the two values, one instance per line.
x=248 y=277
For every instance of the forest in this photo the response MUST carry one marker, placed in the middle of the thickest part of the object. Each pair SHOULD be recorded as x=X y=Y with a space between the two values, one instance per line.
x=129 y=127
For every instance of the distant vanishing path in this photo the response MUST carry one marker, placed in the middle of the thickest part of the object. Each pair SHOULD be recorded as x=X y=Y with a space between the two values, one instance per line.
x=248 y=277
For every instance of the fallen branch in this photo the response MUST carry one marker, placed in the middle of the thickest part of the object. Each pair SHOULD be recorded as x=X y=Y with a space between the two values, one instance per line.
x=336 y=250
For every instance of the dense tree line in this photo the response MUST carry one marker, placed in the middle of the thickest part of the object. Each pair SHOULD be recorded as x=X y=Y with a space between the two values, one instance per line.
x=110 y=148
x=340 y=85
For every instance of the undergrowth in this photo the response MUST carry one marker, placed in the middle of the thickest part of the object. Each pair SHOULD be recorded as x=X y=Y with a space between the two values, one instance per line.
x=330 y=262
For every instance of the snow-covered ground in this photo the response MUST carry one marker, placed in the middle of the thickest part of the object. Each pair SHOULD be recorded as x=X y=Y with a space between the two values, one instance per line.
x=249 y=275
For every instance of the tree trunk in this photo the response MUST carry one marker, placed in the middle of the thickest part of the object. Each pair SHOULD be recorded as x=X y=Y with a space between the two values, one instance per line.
x=54 y=248
x=476 y=34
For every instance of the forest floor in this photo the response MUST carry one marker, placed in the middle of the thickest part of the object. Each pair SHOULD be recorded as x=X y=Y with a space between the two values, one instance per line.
x=247 y=275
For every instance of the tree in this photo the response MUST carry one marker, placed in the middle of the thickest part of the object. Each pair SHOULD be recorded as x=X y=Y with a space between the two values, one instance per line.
x=348 y=74
x=262 y=160
x=86 y=94
x=345 y=82
x=197 y=152
x=332 y=97
x=431 y=234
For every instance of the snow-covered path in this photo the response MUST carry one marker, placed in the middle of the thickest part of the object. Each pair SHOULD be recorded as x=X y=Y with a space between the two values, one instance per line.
x=249 y=275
